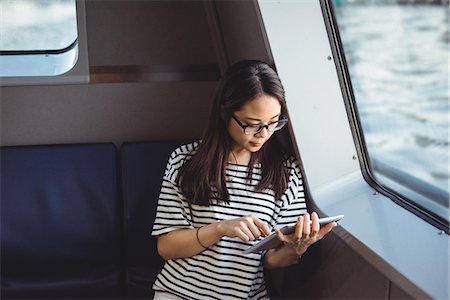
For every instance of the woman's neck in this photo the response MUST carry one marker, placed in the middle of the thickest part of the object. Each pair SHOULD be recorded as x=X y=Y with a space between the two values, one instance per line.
x=240 y=157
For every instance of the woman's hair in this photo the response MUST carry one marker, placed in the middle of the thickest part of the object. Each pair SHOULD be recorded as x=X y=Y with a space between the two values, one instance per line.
x=202 y=178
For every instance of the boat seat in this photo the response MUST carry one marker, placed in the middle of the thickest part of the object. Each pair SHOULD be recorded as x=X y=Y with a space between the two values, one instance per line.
x=60 y=222
x=143 y=165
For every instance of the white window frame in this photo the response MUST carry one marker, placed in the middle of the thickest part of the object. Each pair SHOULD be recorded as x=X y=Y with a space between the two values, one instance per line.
x=381 y=231
x=57 y=63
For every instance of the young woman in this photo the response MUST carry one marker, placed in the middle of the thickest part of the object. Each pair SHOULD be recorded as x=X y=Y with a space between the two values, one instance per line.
x=221 y=194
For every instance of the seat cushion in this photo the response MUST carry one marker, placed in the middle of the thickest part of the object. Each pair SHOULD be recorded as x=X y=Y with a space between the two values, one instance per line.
x=143 y=166
x=60 y=222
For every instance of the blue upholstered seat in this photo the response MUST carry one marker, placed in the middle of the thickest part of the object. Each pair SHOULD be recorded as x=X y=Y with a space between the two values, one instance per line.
x=143 y=166
x=60 y=222
x=74 y=225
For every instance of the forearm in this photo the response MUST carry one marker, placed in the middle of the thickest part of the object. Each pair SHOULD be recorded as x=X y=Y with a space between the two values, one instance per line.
x=281 y=257
x=184 y=243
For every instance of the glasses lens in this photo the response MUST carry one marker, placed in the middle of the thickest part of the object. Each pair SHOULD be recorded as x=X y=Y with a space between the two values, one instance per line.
x=278 y=125
x=252 y=129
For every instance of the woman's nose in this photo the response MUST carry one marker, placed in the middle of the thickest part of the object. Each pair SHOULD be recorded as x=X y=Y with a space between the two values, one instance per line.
x=263 y=132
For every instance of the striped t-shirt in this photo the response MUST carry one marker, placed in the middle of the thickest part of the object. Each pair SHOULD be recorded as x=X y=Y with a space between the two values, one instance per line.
x=222 y=271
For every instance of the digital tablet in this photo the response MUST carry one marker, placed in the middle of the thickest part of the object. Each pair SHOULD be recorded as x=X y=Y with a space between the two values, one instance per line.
x=272 y=240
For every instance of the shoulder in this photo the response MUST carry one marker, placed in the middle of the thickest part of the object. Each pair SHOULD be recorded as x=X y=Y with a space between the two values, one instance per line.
x=293 y=167
x=179 y=156
x=185 y=150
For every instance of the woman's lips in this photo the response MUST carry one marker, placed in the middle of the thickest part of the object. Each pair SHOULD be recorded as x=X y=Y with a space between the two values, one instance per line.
x=254 y=144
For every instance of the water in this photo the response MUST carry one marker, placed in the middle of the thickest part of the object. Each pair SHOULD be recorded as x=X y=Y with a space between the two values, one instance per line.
x=397 y=57
x=37 y=25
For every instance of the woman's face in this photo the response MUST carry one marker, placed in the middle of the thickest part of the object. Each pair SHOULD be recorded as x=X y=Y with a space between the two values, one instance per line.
x=263 y=110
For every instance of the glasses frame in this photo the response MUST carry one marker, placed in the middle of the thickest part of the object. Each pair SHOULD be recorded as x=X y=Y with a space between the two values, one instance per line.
x=282 y=119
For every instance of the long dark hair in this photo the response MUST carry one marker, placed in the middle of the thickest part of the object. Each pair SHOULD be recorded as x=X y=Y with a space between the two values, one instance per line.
x=202 y=178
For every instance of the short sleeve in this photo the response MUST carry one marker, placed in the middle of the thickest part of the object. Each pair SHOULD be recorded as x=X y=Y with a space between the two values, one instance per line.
x=294 y=203
x=172 y=211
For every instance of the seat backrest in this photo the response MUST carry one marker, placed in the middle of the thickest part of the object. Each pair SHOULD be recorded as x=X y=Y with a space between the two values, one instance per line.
x=143 y=166
x=60 y=222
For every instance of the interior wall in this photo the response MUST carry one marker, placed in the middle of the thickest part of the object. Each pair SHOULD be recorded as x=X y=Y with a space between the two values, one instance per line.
x=148 y=32
x=331 y=269
x=123 y=35
x=242 y=31
x=104 y=112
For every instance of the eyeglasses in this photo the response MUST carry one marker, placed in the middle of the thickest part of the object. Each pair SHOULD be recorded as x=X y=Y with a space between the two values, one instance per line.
x=255 y=128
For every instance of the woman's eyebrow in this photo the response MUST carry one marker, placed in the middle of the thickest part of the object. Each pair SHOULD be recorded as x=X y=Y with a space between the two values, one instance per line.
x=255 y=119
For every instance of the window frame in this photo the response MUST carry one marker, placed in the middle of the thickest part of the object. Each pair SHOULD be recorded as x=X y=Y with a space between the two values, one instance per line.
x=79 y=73
x=357 y=131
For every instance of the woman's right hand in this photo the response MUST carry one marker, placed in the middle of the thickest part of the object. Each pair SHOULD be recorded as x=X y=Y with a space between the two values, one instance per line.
x=248 y=228
x=188 y=242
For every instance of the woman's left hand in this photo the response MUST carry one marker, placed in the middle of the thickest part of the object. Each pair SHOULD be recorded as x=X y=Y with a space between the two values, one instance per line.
x=307 y=232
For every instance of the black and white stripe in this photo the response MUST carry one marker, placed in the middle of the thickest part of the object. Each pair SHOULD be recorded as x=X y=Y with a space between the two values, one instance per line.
x=222 y=271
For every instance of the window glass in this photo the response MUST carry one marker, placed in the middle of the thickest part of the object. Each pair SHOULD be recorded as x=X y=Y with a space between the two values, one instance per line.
x=397 y=57
x=27 y=25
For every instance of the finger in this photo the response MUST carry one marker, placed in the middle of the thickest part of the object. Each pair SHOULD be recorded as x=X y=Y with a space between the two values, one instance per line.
x=306 y=226
x=250 y=223
x=240 y=234
x=254 y=229
x=280 y=235
x=326 y=229
x=244 y=227
x=298 y=228
x=315 y=226
x=262 y=226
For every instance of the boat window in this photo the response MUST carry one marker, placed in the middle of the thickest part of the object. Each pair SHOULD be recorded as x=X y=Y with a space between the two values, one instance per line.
x=41 y=34
x=396 y=54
